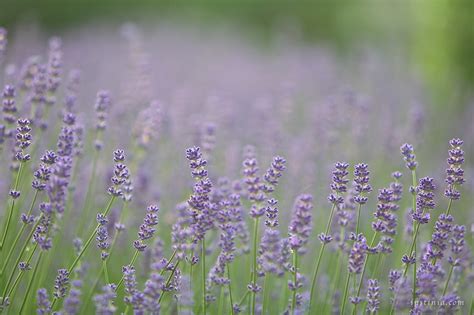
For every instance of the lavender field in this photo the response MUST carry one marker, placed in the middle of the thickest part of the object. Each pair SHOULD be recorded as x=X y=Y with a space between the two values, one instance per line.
x=179 y=170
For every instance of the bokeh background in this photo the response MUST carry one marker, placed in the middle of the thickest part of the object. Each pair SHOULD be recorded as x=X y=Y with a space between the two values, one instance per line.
x=384 y=72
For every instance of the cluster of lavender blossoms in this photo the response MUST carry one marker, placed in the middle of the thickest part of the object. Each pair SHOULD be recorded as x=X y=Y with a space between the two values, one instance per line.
x=73 y=239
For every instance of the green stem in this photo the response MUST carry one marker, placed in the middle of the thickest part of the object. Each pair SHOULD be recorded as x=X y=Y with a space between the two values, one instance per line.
x=20 y=275
x=295 y=279
x=346 y=289
x=372 y=242
x=254 y=264
x=106 y=271
x=221 y=301
x=19 y=234
x=22 y=251
x=230 y=292
x=203 y=274
x=90 y=185
x=169 y=262
x=86 y=246
x=413 y=175
x=169 y=280
x=10 y=213
x=447 y=280
x=30 y=283
x=265 y=292
x=318 y=263
x=358 y=218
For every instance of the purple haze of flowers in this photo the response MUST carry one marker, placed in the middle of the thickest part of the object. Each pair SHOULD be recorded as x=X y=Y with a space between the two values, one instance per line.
x=301 y=224
x=3 y=43
x=424 y=200
x=42 y=302
x=9 y=108
x=409 y=156
x=72 y=302
x=454 y=173
x=457 y=243
x=102 y=104
x=104 y=302
x=147 y=228
x=54 y=68
x=227 y=246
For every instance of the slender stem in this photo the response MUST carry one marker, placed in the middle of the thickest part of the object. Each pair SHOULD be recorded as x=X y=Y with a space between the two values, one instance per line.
x=20 y=275
x=372 y=242
x=169 y=280
x=169 y=262
x=221 y=300
x=254 y=264
x=230 y=292
x=318 y=263
x=30 y=283
x=10 y=213
x=295 y=279
x=447 y=281
x=12 y=273
x=335 y=281
x=413 y=175
x=91 y=292
x=106 y=271
x=86 y=246
x=265 y=292
x=346 y=287
x=17 y=238
x=90 y=185
x=358 y=218
x=203 y=274
x=244 y=297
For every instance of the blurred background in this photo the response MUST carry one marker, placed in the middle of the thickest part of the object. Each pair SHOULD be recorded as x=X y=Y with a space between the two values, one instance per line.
x=436 y=37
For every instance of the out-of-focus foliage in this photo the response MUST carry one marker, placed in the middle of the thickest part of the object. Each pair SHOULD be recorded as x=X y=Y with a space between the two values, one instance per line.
x=437 y=36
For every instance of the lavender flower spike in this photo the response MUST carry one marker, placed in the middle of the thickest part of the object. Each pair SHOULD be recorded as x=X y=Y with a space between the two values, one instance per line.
x=454 y=173
x=300 y=225
x=409 y=156
x=373 y=296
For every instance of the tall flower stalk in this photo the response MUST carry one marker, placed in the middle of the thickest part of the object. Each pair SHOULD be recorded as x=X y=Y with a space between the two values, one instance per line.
x=338 y=187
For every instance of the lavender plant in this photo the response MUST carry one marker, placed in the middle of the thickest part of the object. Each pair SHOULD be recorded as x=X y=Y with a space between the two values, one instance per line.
x=235 y=237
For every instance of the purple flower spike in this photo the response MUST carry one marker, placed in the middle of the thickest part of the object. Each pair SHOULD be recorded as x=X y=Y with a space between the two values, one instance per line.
x=9 y=109
x=373 y=296
x=104 y=302
x=42 y=302
x=424 y=200
x=409 y=156
x=455 y=173
x=357 y=256
x=301 y=224
x=61 y=284
x=147 y=229
x=361 y=182
x=339 y=183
